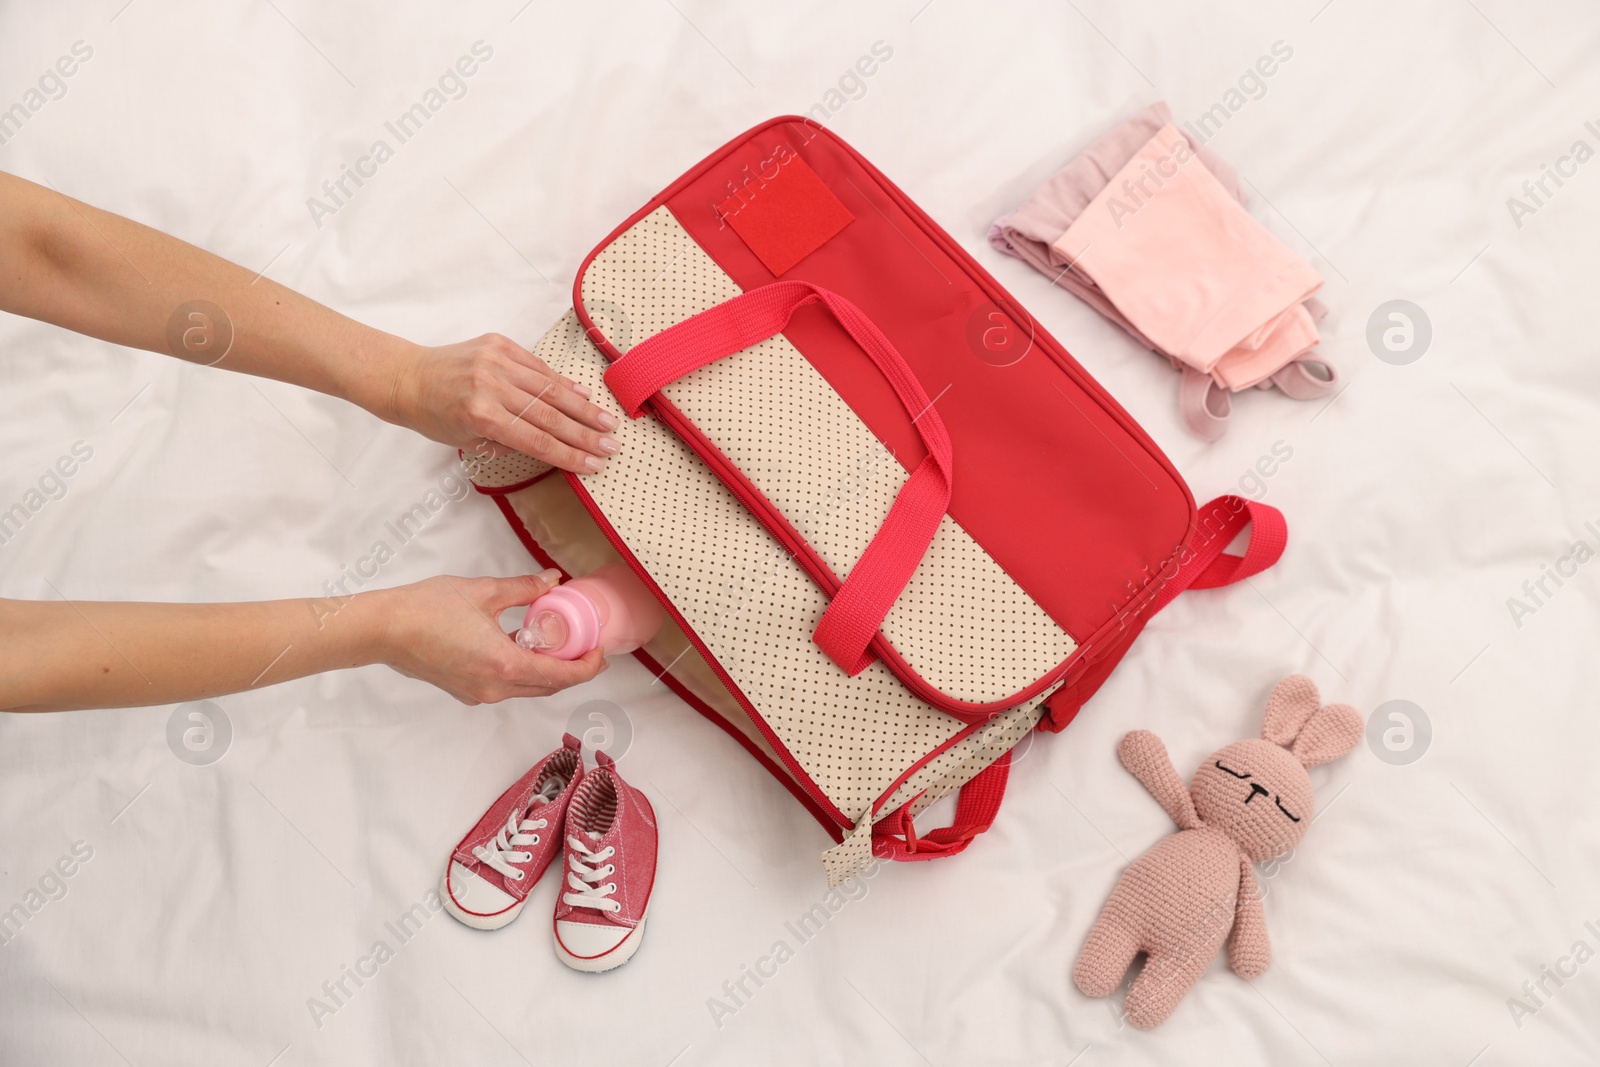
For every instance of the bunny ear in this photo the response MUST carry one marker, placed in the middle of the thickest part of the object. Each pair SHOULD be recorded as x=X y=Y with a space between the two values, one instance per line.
x=1332 y=731
x=1293 y=701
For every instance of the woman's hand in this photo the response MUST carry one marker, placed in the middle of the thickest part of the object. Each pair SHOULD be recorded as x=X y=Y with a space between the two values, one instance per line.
x=446 y=631
x=490 y=396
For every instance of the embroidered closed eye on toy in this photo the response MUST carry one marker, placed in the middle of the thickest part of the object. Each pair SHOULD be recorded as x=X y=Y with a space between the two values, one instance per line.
x=1177 y=903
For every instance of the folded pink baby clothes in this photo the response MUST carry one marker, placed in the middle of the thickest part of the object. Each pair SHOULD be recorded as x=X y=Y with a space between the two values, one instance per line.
x=1191 y=269
x=1274 y=351
x=1028 y=232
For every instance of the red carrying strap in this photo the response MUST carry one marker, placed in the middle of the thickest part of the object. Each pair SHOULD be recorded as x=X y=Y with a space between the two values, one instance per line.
x=861 y=602
x=1217 y=524
x=1201 y=565
x=977 y=803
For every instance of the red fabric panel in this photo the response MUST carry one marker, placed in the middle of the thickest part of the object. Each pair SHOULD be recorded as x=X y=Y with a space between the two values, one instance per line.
x=783 y=212
x=1051 y=476
x=1063 y=705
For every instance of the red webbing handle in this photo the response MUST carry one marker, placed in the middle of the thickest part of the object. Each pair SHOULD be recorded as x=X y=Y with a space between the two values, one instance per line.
x=977 y=803
x=1221 y=521
x=861 y=602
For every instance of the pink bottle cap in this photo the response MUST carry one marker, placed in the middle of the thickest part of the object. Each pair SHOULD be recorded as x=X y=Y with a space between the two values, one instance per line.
x=563 y=624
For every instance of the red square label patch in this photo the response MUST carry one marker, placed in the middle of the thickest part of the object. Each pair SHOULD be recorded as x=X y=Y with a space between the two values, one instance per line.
x=786 y=217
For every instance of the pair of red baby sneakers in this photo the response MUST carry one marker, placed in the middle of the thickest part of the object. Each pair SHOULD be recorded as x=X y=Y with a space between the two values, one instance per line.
x=605 y=831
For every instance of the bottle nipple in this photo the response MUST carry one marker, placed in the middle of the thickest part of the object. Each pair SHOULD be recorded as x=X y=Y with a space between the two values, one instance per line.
x=545 y=632
x=564 y=623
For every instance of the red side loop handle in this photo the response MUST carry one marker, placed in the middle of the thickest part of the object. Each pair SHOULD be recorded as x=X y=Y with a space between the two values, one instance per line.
x=1207 y=566
x=859 y=605
x=977 y=803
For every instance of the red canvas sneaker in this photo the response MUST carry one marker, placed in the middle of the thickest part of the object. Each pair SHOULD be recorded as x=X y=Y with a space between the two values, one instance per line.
x=610 y=871
x=495 y=865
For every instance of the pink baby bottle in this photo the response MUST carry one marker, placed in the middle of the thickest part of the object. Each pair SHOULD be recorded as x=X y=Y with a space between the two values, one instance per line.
x=610 y=608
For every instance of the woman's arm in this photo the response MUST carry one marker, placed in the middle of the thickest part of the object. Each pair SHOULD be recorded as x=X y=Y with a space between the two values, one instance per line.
x=87 y=270
x=60 y=655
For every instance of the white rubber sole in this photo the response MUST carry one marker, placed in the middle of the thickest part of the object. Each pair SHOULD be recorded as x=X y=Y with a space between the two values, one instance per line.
x=477 y=922
x=611 y=960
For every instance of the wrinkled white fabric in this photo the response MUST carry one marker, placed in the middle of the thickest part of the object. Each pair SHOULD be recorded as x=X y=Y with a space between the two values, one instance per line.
x=1423 y=498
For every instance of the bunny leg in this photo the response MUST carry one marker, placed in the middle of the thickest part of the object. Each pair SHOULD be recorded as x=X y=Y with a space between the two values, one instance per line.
x=1162 y=983
x=1106 y=956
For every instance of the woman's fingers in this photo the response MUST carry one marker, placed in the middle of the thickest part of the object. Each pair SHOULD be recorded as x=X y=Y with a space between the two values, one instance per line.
x=547 y=674
x=515 y=592
x=526 y=673
x=491 y=394
x=522 y=404
x=559 y=392
x=530 y=373
x=532 y=441
x=445 y=630
x=533 y=401
x=536 y=429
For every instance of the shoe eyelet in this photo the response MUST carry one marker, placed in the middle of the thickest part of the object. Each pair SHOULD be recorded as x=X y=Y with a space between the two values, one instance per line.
x=519 y=876
x=612 y=887
x=535 y=841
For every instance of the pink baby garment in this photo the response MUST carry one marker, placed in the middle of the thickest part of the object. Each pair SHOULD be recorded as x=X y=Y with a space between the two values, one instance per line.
x=1032 y=231
x=1029 y=231
x=1191 y=269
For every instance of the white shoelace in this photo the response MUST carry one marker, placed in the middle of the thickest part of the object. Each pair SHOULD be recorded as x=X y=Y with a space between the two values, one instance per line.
x=584 y=877
x=505 y=849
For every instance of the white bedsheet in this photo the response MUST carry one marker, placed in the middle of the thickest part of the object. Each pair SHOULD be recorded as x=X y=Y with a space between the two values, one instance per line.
x=217 y=900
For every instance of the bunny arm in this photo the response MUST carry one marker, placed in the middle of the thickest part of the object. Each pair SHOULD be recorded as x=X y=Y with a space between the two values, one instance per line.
x=1145 y=757
x=1249 y=947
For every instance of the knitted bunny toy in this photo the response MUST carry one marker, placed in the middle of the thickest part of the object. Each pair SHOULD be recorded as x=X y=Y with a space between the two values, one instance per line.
x=1251 y=801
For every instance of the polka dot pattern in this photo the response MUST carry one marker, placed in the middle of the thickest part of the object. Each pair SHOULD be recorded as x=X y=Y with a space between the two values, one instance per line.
x=850 y=856
x=956 y=766
x=497 y=473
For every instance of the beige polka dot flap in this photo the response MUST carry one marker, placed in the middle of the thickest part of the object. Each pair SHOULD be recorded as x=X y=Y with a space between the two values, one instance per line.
x=966 y=632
